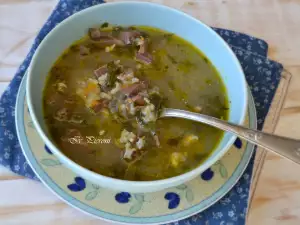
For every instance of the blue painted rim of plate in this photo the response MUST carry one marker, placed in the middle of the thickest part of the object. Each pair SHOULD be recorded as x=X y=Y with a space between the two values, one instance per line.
x=48 y=182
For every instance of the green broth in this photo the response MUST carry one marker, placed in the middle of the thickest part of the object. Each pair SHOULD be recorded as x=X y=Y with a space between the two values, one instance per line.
x=185 y=78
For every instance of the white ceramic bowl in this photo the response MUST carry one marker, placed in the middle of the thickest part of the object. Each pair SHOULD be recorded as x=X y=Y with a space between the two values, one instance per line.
x=137 y=13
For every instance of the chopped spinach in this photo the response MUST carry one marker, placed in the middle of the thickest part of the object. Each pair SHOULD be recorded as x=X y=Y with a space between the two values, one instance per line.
x=168 y=36
x=171 y=85
x=172 y=59
x=186 y=66
x=116 y=31
x=225 y=108
x=174 y=141
x=104 y=25
x=157 y=100
x=113 y=71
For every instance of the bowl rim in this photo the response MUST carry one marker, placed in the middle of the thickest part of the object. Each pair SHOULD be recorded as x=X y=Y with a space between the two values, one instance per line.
x=164 y=183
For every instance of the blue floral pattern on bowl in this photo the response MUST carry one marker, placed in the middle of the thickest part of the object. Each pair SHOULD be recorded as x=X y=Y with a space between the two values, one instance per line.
x=93 y=193
x=123 y=197
x=137 y=201
x=173 y=199
x=238 y=143
x=48 y=150
x=207 y=174
x=78 y=185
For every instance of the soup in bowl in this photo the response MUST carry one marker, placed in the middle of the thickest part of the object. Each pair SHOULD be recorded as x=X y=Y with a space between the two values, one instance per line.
x=98 y=81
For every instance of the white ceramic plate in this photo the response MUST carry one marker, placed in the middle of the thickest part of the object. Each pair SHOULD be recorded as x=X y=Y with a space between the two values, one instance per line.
x=149 y=208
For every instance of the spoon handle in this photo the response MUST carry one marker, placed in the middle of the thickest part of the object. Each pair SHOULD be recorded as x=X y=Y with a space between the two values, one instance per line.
x=286 y=147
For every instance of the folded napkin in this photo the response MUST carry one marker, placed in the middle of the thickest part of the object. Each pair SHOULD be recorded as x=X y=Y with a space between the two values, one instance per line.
x=263 y=76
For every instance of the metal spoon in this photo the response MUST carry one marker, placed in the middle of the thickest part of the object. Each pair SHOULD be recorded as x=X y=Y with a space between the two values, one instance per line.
x=286 y=147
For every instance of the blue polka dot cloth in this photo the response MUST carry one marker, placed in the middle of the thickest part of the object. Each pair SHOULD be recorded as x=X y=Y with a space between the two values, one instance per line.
x=263 y=76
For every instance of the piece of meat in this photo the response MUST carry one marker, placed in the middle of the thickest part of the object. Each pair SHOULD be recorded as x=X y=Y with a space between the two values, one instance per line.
x=145 y=57
x=143 y=46
x=142 y=49
x=142 y=54
x=128 y=36
x=101 y=71
x=83 y=50
x=107 y=41
x=128 y=73
x=134 y=88
x=139 y=100
x=99 y=105
x=62 y=115
x=125 y=37
x=103 y=39
x=94 y=34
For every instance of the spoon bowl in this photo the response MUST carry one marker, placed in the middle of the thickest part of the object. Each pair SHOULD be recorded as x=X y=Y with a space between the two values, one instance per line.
x=286 y=147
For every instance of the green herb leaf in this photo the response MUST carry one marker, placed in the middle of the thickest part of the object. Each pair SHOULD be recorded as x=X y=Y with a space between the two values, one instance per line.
x=217 y=163
x=189 y=195
x=168 y=36
x=104 y=25
x=223 y=171
x=96 y=186
x=30 y=124
x=113 y=71
x=172 y=59
x=91 y=195
x=186 y=66
x=171 y=85
x=139 y=197
x=181 y=187
x=135 y=208
x=205 y=60
x=50 y=162
x=157 y=100
x=116 y=31
x=224 y=108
